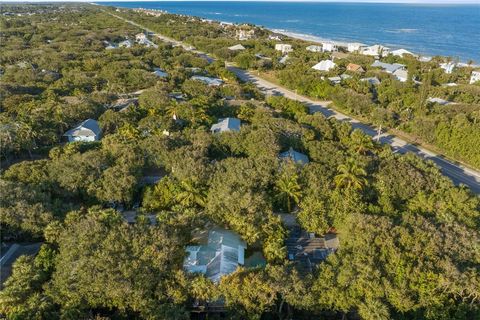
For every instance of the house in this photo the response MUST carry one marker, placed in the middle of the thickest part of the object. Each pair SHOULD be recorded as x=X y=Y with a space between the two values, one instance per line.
x=159 y=73
x=329 y=47
x=373 y=80
x=236 y=47
x=147 y=43
x=338 y=79
x=226 y=124
x=307 y=250
x=243 y=34
x=283 y=60
x=355 y=47
x=109 y=45
x=376 y=51
x=439 y=101
x=275 y=37
x=387 y=67
x=475 y=77
x=213 y=82
x=140 y=37
x=424 y=59
x=88 y=130
x=125 y=44
x=221 y=255
x=402 y=52
x=314 y=48
x=294 y=156
x=324 y=65
x=401 y=75
x=355 y=67
x=448 y=67
x=284 y=48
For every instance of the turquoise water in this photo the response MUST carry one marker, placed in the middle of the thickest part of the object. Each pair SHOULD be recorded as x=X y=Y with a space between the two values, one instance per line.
x=451 y=30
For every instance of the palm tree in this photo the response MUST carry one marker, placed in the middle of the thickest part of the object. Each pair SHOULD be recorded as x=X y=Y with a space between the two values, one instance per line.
x=191 y=195
x=350 y=175
x=288 y=190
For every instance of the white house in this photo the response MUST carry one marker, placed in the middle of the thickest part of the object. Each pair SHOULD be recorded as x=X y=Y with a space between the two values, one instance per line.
x=88 y=130
x=125 y=44
x=388 y=67
x=402 y=52
x=329 y=47
x=376 y=50
x=284 y=48
x=401 y=75
x=314 y=48
x=425 y=59
x=439 y=101
x=284 y=59
x=226 y=124
x=140 y=37
x=324 y=65
x=448 y=66
x=221 y=255
x=213 y=82
x=475 y=77
x=237 y=47
x=243 y=34
x=355 y=47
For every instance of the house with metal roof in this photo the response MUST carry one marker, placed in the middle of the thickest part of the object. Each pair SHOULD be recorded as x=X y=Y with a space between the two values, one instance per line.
x=237 y=47
x=226 y=124
x=294 y=156
x=88 y=130
x=213 y=82
x=159 y=73
x=402 y=52
x=401 y=75
x=220 y=256
x=324 y=65
x=388 y=67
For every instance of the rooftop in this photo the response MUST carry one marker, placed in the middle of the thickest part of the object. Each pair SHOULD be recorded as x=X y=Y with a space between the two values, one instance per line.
x=226 y=124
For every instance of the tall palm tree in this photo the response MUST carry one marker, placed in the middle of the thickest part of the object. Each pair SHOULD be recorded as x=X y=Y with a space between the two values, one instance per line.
x=191 y=195
x=288 y=190
x=350 y=175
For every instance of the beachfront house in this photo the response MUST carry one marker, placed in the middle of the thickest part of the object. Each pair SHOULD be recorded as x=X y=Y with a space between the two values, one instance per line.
x=314 y=48
x=284 y=48
x=329 y=47
x=275 y=37
x=475 y=77
x=355 y=47
x=402 y=53
x=388 y=67
x=376 y=51
x=237 y=47
x=424 y=58
x=221 y=255
x=448 y=67
x=324 y=65
x=355 y=67
x=87 y=131
x=212 y=82
x=295 y=156
x=226 y=124
x=284 y=59
x=159 y=73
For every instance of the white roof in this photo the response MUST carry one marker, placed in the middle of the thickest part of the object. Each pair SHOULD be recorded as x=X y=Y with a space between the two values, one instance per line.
x=209 y=81
x=440 y=101
x=324 y=65
x=401 y=52
x=236 y=47
x=226 y=124
x=87 y=128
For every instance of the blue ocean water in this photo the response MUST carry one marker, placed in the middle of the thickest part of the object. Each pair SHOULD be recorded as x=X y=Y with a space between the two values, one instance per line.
x=450 y=30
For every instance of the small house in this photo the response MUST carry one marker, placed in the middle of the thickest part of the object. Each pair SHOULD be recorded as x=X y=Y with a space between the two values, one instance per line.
x=284 y=48
x=140 y=37
x=125 y=44
x=324 y=65
x=212 y=82
x=475 y=77
x=376 y=51
x=355 y=47
x=372 y=80
x=355 y=67
x=87 y=131
x=401 y=75
x=439 y=101
x=448 y=67
x=402 y=53
x=226 y=124
x=314 y=48
x=388 y=67
x=294 y=156
x=237 y=47
x=159 y=73
x=329 y=47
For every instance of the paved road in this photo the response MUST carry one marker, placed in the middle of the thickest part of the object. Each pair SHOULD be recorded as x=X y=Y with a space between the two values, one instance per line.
x=456 y=172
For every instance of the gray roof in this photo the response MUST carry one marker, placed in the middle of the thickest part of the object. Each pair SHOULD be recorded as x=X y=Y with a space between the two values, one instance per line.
x=226 y=124
x=372 y=80
x=209 y=81
x=88 y=127
x=221 y=255
x=390 y=68
x=295 y=156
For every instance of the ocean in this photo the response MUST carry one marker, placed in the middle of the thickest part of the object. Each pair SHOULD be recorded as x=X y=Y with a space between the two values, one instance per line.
x=427 y=29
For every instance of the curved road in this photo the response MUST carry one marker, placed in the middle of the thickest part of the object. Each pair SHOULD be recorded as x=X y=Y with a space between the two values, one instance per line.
x=459 y=174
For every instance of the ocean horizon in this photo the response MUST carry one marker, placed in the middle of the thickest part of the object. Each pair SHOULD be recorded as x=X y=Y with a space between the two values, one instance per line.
x=426 y=29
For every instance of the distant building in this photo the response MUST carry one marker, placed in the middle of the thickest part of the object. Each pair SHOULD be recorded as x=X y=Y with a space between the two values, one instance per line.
x=275 y=37
x=448 y=67
x=140 y=37
x=123 y=104
x=401 y=75
x=125 y=44
x=338 y=79
x=355 y=67
x=324 y=65
x=237 y=47
x=329 y=47
x=314 y=48
x=355 y=47
x=226 y=124
x=284 y=59
x=220 y=256
x=373 y=80
x=160 y=73
x=213 y=82
x=243 y=34
x=388 y=67
x=424 y=59
x=439 y=101
x=284 y=48
x=294 y=156
x=475 y=77
x=87 y=131
x=376 y=51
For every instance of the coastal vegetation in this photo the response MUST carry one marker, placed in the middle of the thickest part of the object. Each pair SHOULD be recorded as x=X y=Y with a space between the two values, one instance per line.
x=408 y=237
